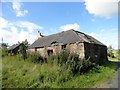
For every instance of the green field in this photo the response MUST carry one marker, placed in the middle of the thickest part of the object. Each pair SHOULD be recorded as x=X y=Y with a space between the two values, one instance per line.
x=17 y=73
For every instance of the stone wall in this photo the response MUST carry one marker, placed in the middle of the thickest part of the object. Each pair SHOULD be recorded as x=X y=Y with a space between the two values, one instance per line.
x=77 y=48
x=85 y=50
x=31 y=51
x=95 y=52
x=43 y=51
x=39 y=51
x=73 y=48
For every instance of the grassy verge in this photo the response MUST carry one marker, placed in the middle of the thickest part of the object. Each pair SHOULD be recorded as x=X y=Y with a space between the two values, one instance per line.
x=113 y=59
x=18 y=73
x=93 y=77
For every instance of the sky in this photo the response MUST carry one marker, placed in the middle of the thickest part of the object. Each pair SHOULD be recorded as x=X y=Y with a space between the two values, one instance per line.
x=23 y=20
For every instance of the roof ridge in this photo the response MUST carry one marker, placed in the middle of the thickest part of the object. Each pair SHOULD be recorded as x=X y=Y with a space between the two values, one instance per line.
x=57 y=33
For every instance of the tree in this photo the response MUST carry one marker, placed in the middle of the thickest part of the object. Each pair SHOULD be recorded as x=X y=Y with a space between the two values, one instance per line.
x=23 y=49
x=3 y=49
x=4 y=45
x=110 y=51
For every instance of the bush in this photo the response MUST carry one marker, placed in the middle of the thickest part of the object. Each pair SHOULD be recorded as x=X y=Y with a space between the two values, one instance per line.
x=35 y=58
x=23 y=49
x=63 y=57
x=86 y=65
x=51 y=59
x=4 y=52
x=71 y=62
x=60 y=58
x=67 y=61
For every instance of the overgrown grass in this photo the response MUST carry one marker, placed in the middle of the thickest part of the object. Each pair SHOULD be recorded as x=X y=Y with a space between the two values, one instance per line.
x=18 y=73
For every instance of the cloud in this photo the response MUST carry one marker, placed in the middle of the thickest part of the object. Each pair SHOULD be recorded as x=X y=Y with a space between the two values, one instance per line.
x=74 y=26
x=107 y=37
x=3 y=23
x=17 y=8
x=14 y=29
x=12 y=32
x=102 y=8
x=13 y=37
x=30 y=26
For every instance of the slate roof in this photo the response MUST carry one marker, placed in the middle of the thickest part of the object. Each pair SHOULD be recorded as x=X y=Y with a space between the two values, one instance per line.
x=65 y=37
x=13 y=46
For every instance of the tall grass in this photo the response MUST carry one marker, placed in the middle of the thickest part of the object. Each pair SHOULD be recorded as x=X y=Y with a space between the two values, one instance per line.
x=56 y=73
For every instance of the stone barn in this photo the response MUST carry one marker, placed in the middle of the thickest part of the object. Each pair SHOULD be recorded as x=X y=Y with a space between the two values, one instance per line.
x=74 y=41
x=14 y=49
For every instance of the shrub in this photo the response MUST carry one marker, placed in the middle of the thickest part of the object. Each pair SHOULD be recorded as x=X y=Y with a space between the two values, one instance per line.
x=51 y=59
x=59 y=58
x=71 y=62
x=67 y=61
x=63 y=57
x=23 y=49
x=35 y=58
x=110 y=51
x=4 y=52
x=86 y=65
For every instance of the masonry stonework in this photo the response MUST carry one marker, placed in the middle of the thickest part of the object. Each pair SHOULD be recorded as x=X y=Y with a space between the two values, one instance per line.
x=73 y=41
x=95 y=51
x=72 y=48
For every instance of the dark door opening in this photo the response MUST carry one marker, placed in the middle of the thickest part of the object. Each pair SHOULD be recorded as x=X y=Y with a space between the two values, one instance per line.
x=63 y=47
x=35 y=49
x=50 y=52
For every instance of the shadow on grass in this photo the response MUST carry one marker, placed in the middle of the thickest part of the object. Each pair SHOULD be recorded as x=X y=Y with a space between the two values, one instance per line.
x=110 y=64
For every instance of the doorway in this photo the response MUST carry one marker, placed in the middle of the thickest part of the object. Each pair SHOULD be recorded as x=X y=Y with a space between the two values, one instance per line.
x=50 y=52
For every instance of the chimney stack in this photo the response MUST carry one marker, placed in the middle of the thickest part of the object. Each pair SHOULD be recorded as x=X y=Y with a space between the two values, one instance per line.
x=40 y=35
